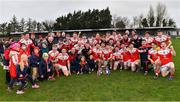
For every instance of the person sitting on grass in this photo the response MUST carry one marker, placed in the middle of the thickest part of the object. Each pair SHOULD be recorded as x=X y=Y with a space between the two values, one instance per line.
x=84 y=65
x=23 y=75
x=46 y=68
x=91 y=63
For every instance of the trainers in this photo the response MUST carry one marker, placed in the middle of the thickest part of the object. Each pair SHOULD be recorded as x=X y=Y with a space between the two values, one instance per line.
x=155 y=77
x=35 y=86
x=107 y=71
x=9 y=89
x=170 y=78
x=19 y=92
x=145 y=73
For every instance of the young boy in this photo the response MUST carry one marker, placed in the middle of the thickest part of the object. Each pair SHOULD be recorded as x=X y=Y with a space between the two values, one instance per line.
x=165 y=56
x=34 y=61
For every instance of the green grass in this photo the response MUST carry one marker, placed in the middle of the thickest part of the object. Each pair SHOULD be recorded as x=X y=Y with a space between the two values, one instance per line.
x=124 y=85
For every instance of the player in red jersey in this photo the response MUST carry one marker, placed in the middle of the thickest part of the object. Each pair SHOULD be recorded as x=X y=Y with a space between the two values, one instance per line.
x=148 y=38
x=165 y=56
x=162 y=38
x=53 y=54
x=116 y=58
x=97 y=56
x=126 y=56
x=135 y=61
x=28 y=42
x=107 y=58
x=63 y=62
x=153 y=58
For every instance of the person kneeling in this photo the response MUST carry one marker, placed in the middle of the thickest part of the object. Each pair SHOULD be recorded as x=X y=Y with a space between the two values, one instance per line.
x=165 y=56
x=46 y=68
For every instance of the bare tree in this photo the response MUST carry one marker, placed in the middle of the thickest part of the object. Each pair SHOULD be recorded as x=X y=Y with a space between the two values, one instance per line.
x=135 y=21
x=22 y=25
x=140 y=20
x=150 y=17
x=161 y=14
x=48 y=25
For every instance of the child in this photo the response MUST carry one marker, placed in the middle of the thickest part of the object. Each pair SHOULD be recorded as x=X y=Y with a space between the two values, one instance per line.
x=84 y=65
x=13 y=62
x=22 y=74
x=46 y=68
x=43 y=49
x=34 y=61
x=91 y=63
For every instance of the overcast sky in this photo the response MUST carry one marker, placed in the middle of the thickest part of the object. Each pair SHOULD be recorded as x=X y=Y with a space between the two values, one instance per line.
x=41 y=10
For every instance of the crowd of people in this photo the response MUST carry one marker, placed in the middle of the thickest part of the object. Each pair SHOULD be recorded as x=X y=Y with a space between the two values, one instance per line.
x=33 y=59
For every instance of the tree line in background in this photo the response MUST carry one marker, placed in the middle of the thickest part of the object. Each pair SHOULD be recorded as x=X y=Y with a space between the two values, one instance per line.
x=157 y=17
x=91 y=19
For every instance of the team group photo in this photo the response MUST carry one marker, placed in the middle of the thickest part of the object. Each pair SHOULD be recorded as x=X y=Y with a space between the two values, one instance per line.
x=89 y=50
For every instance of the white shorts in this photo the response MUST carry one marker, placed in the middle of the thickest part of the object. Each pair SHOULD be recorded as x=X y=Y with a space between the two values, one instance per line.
x=127 y=62
x=62 y=67
x=134 y=62
x=166 y=66
x=106 y=63
x=116 y=63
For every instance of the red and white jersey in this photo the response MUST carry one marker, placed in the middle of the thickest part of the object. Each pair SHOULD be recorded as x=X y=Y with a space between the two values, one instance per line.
x=126 y=56
x=63 y=59
x=134 y=54
x=14 y=60
x=107 y=53
x=53 y=54
x=97 y=53
x=82 y=41
x=165 y=56
x=116 y=55
x=28 y=44
x=153 y=54
x=148 y=40
x=163 y=38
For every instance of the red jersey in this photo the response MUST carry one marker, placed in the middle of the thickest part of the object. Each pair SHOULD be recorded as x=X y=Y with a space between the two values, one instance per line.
x=63 y=59
x=53 y=54
x=106 y=53
x=72 y=56
x=163 y=38
x=165 y=56
x=6 y=53
x=116 y=56
x=14 y=60
x=21 y=51
x=153 y=54
x=134 y=54
x=149 y=40
x=125 y=54
x=28 y=44
x=97 y=53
